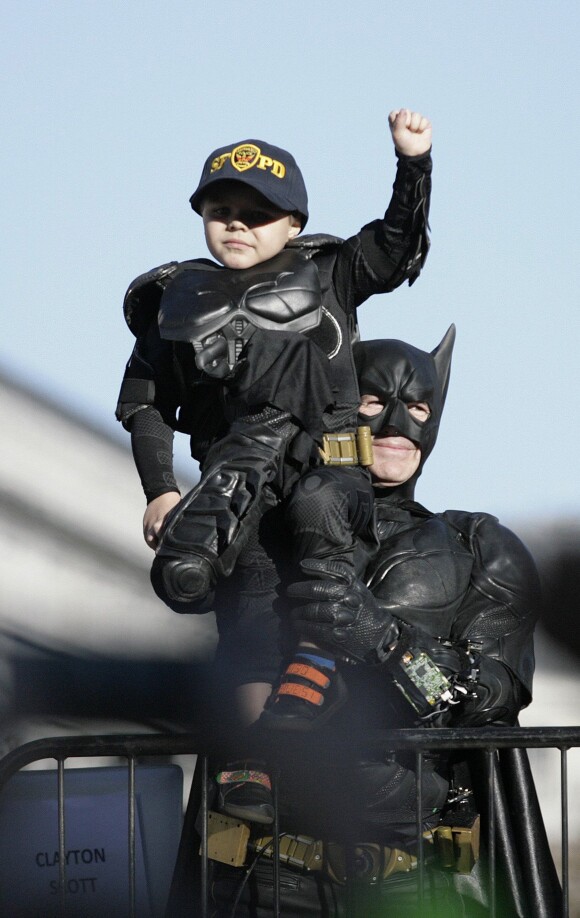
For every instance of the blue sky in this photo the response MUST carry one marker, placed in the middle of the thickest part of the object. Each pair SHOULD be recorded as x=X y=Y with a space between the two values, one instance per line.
x=110 y=109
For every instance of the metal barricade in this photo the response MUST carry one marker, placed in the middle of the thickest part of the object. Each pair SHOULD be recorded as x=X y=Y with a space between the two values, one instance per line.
x=131 y=747
x=190 y=886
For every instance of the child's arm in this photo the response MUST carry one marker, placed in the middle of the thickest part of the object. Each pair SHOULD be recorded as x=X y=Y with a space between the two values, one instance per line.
x=404 y=233
x=411 y=132
x=146 y=404
x=387 y=252
x=152 y=446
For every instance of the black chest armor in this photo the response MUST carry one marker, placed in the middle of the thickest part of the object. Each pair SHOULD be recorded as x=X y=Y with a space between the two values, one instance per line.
x=292 y=293
x=203 y=300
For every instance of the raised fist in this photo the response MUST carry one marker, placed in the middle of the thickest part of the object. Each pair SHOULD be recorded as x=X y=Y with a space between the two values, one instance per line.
x=411 y=131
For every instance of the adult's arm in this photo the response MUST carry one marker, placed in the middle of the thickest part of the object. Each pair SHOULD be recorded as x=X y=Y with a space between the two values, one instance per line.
x=469 y=663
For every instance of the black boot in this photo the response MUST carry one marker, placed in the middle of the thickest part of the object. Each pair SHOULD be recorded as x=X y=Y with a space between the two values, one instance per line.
x=206 y=531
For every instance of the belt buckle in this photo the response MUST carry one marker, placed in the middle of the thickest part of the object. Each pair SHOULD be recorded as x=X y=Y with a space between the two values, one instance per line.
x=345 y=448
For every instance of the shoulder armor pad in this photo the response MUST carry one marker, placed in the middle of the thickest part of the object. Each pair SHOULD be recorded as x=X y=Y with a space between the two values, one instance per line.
x=316 y=244
x=507 y=592
x=465 y=521
x=504 y=569
x=143 y=294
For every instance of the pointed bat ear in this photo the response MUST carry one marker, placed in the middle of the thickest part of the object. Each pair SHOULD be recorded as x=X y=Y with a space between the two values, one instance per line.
x=442 y=359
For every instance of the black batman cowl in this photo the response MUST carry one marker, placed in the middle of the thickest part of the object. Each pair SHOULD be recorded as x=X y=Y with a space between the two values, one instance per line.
x=399 y=374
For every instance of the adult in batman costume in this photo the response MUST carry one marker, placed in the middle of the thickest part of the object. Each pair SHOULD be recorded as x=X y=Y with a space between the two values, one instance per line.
x=457 y=594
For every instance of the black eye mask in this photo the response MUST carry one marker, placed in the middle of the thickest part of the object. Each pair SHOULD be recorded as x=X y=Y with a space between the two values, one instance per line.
x=399 y=374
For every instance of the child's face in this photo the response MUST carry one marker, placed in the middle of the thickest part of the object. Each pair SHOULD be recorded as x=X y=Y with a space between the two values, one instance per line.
x=242 y=228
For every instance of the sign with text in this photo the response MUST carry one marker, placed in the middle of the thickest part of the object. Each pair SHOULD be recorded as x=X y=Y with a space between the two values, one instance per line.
x=96 y=842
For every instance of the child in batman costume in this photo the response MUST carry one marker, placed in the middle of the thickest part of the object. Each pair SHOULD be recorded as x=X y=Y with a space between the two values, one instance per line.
x=252 y=358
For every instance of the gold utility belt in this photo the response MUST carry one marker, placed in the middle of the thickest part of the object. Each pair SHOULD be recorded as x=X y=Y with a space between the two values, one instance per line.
x=454 y=848
x=348 y=447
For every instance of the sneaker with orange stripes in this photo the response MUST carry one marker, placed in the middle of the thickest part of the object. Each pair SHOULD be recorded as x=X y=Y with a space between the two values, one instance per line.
x=310 y=691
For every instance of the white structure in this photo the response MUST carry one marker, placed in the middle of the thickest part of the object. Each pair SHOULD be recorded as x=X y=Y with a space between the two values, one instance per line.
x=73 y=564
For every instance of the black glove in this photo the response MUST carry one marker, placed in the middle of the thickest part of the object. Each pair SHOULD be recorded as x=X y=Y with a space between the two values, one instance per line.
x=338 y=612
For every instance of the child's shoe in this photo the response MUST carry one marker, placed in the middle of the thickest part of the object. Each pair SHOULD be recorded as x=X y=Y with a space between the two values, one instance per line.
x=310 y=692
x=245 y=792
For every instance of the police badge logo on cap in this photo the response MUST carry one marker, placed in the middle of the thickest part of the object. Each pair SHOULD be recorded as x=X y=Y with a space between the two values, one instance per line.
x=270 y=170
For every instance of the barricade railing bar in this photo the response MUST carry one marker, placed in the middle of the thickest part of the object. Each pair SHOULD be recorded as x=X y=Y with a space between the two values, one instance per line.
x=134 y=747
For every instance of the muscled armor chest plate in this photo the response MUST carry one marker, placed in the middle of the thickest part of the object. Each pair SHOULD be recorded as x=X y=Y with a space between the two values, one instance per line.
x=204 y=301
x=423 y=575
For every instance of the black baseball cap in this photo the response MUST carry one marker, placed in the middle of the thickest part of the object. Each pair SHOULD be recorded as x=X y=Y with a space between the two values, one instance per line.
x=269 y=169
